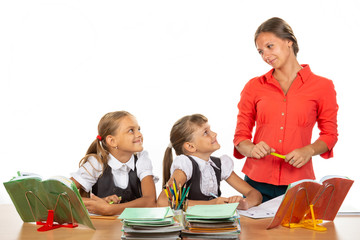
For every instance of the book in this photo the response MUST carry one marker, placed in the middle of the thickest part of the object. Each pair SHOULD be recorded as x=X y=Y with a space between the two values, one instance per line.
x=151 y=223
x=308 y=199
x=34 y=197
x=219 y=221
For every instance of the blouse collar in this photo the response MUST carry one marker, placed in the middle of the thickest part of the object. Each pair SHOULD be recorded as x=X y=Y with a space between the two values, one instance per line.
x=116 y=164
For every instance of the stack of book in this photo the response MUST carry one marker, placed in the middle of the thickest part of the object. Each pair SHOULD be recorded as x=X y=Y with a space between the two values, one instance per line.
x=151 y=223
x=219 y=221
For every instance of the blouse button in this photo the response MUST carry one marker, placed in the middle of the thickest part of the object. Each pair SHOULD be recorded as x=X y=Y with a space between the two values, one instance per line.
x=284 y=99
x=282 y=114
x=281 y=128
x=280 y=141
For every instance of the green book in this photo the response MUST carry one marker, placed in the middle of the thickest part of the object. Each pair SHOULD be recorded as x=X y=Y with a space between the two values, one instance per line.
x=33 y=197
x=216 y=211
x=146 y=213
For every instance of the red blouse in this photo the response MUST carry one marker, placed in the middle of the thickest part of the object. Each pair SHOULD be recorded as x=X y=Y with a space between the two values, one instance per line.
x=285 y=123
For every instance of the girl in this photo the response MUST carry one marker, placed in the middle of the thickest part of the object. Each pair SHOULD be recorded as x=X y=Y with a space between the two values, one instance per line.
x=194 y=142
x=115 y=168
x=284 y=105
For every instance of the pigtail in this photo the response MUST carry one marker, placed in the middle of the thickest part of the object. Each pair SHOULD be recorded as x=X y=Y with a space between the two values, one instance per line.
x=97 y=150
x=167 y=161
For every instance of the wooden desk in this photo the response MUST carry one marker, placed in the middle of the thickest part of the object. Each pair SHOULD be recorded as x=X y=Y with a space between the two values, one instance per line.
x=12 y=227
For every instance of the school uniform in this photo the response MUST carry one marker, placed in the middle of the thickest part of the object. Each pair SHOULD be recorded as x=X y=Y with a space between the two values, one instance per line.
x=204 y=176
x=122 y=179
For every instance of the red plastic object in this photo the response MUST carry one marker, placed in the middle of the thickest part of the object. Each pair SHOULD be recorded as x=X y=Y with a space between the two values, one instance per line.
x=49 y=224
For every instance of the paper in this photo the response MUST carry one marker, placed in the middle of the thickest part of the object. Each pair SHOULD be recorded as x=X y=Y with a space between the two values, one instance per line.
x=264 y=210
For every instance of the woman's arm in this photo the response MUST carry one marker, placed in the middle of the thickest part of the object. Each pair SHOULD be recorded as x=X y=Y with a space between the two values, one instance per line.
x=253 y=196
x=100 y=206
x=299 y=157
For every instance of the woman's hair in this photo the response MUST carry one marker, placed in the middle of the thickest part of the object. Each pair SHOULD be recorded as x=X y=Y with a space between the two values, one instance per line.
x=108 y=124
x=280 y=28
x=181 y=132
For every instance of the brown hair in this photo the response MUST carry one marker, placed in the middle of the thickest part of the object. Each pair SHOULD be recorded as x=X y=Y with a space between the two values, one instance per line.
x=181 y=132
x=281 y=29
x=108 y=124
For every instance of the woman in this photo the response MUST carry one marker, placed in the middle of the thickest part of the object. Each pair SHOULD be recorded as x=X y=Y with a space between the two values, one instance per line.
x=285 y=104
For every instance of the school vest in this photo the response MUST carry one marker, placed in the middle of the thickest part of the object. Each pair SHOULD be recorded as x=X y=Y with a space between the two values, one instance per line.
x=195 y=191
x=105 y=186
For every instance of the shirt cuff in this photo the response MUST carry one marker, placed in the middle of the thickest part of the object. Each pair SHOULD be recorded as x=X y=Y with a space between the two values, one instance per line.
x=330 y=143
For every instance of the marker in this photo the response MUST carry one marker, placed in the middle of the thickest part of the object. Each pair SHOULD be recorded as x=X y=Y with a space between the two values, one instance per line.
x=112 y=202
x=278 y=155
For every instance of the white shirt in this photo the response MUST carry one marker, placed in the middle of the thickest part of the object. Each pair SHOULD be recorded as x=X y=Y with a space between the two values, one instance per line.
x=208 y=182
x=88 y=174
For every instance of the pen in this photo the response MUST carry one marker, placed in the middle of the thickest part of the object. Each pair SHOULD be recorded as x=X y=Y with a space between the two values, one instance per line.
x=112 y=202
x=278 y=155
x=213 y=195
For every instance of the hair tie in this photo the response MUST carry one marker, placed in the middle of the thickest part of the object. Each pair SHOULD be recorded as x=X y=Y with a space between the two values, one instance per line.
x=99 y=137
x=170 y=145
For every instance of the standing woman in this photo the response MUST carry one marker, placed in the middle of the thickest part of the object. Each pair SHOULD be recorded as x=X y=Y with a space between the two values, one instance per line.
x=285 y=104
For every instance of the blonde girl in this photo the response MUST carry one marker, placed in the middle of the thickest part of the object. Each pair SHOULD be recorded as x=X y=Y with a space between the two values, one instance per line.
x=115 y=168
x=194 y=142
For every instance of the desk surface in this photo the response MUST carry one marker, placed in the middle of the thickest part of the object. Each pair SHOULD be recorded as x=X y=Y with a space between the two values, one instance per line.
x=12 y=227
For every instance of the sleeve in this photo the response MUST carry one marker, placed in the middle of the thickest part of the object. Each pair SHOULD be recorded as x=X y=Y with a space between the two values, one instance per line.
x=88 y=174
x=227 y=166
x=184 y=164
x=327 y=118
x=245 y=118
x=143 y=165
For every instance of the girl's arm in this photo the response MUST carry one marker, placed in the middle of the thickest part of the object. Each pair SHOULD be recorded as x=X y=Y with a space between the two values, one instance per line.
x=180 y=178
x=253 y=196
x=100 y=206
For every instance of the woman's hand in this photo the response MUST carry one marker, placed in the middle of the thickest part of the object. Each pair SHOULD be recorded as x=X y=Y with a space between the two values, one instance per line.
x=261 y=150
x=299 y=157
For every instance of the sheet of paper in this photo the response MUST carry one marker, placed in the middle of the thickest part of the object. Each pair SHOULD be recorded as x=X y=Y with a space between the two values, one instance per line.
x=264 y=210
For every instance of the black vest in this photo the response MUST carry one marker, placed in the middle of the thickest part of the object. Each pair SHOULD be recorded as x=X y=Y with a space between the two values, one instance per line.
x=105 y=185
x=195 y=191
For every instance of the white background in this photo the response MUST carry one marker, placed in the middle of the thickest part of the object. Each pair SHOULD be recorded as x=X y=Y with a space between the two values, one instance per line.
x=64 y=64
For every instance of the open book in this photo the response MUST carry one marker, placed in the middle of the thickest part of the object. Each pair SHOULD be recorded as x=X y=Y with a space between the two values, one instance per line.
x=301 y=197
x=33 y=197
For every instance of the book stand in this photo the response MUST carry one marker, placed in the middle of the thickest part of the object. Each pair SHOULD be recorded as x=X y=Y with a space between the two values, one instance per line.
x=49 y=224
x=313 y=222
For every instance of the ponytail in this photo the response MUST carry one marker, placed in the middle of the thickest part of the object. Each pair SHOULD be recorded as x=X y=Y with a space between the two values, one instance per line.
x=167 y=161
x=97 y=150
x=108 y=125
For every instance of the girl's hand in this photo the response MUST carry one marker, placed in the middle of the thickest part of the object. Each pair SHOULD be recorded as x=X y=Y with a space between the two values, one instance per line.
x=243 y=204
x=97 y=205
x=299 y=157
x=261 y=150
x=112 y=199
x=219 y=200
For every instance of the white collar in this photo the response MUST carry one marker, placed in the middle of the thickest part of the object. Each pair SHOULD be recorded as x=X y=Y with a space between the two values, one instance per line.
x=116 y=164
x=202 y=163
